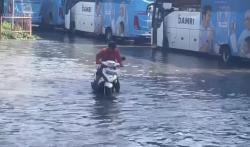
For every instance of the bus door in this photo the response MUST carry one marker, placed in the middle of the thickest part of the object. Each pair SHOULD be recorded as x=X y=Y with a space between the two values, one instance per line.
x=154 y=12
x=159 y=12
x=69 y=13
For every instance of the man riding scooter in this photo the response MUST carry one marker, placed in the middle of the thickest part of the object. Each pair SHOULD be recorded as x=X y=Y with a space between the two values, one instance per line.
x=109 y=53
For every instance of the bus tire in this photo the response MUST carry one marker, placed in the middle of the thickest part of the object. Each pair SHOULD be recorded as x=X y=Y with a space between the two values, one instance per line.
x=225 y=53
x=108 y=34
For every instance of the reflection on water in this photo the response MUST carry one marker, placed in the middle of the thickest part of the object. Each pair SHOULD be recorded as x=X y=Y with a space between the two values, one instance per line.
x=175 y=100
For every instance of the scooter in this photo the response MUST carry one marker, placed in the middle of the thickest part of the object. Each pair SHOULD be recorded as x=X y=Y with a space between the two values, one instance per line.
x=108 y=84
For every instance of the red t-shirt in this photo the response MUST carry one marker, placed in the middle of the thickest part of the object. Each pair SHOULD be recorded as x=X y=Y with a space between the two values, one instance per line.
x=107 y=54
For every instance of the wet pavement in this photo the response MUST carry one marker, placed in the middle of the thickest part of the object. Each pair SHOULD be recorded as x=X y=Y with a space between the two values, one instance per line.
x=173 y=100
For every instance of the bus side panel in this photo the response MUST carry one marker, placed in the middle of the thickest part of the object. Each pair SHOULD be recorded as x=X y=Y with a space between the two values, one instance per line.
x=71 y=17
x=171 y=35
x=67 y=20
x=46 y=12
x=116 y=15
x=160 y=34
x=52 y=12
x=120 y=16
x=183 y=30
x=139 y=23
x=34 y=11
x=32 y=8
x=57 y=13
x=231 y=24
x=84 y=16
x=194 y=40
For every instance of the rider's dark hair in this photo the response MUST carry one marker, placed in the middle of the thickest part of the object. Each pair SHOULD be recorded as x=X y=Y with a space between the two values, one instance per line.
x=112 y=44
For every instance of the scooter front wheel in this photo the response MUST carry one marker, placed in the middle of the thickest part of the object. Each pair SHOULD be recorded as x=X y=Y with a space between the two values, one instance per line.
x=108 y=91
x=117 y=86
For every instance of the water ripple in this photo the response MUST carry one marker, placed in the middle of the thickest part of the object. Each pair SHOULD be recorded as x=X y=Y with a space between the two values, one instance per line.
x=46 y=99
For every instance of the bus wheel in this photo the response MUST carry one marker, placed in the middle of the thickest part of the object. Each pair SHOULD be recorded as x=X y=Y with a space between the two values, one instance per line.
x=108 y=35
x=225 y=53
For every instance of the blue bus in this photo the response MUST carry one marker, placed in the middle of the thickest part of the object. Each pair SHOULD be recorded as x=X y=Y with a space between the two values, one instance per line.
x=217 y=27
x=52 y=12
x=119 y=18
x=24 y=8
x=230 y=20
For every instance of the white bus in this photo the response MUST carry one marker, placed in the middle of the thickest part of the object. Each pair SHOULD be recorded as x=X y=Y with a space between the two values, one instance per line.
x=218 y=27
x=80 y=16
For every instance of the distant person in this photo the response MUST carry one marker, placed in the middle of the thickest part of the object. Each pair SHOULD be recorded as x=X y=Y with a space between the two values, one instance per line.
x=206 y=30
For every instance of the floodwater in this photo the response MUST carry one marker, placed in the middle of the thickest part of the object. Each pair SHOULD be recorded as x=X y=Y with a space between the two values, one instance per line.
x=171 y=100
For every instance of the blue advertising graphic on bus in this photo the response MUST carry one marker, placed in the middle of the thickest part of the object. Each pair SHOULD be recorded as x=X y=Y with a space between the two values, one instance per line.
x=125 y=17
x=119 y=18
x=52 y=12
x=23 y=8
x=230 y=24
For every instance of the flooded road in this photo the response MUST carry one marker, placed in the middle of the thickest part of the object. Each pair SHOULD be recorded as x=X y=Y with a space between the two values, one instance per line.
x=174 y=100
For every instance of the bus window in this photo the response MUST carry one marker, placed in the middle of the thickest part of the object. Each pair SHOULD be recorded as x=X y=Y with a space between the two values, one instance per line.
x=157 y=17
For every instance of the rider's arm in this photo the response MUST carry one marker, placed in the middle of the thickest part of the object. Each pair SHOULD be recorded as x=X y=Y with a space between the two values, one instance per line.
x=99 y=57
x=118 y=57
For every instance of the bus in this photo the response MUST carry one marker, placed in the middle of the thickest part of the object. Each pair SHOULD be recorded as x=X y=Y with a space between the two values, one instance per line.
x=120 y=18
x=217 y=27
x=23 y=8
x=52 y=12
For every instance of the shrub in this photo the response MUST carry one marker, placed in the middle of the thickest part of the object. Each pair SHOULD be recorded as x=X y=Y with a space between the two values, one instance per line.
x=8 y=34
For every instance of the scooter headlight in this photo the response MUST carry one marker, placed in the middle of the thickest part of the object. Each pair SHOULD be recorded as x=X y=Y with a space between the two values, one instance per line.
x=111 y=78
x=111 y=72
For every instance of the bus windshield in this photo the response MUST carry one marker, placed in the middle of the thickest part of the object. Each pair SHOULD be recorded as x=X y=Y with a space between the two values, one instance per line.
x=69 y=4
